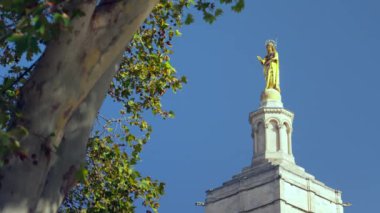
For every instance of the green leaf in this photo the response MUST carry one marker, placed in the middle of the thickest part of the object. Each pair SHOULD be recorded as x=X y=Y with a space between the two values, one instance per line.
x=178 y=33
x=24 y=43
x=18 y=132
x=239 y=6
x=171 y=114
x=208 y=17
x=81 y=174
x=189 y=19
x=218 y=12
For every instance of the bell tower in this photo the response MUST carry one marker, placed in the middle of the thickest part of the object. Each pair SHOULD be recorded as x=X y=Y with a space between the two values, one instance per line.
x=271 y=131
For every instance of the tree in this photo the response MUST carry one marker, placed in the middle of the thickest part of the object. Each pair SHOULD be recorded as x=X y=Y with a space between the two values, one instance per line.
x=48 y=109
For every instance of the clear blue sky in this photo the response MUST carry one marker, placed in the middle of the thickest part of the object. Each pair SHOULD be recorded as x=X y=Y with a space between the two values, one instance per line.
x=329 y=51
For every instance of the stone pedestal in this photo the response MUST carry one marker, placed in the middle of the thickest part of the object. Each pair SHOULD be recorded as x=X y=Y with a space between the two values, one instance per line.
x=273 y=183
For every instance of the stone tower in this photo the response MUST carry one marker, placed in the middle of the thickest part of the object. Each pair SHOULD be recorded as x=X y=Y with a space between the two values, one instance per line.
x=273 y=183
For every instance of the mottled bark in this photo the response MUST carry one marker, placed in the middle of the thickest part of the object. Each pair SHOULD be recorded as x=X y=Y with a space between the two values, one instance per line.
x=60 y=100
x=72 y=151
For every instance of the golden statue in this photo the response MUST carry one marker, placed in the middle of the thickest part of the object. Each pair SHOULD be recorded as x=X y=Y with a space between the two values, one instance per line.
x=271 y=66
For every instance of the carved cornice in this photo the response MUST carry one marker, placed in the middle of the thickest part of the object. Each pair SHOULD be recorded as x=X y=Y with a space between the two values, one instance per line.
x=271 y=111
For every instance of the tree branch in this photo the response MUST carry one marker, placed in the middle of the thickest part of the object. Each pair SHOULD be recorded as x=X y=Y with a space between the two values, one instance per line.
x=18 y=79
x=115 y=12
x=22 y=179
x=71 y=153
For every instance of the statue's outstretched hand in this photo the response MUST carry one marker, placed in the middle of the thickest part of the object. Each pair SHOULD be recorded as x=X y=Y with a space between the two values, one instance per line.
x=260 y=59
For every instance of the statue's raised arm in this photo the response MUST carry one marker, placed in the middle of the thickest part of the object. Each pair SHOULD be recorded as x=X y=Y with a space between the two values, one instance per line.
x=271 y=65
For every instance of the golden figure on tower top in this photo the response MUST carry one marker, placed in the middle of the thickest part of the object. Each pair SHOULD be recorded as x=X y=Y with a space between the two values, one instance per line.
x=271 y=66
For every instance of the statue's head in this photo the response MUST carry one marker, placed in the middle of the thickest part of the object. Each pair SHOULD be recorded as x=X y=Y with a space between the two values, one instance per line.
x=271 y=46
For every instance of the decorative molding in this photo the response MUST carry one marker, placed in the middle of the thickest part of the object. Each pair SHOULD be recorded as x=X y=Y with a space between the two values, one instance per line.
x=271 y=111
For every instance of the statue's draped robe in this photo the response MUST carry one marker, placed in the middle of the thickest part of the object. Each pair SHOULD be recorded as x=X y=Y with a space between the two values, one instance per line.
x=272 y=71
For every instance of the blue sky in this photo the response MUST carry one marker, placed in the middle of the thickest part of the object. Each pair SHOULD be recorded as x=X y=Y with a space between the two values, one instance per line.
x=329 y=78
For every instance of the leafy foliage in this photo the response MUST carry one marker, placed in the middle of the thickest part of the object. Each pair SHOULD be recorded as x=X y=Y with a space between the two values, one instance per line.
x=25 y=24
x=112 y=184
x=109 y=181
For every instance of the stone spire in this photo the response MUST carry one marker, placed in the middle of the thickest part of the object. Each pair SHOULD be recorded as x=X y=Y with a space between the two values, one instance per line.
x=272 y=130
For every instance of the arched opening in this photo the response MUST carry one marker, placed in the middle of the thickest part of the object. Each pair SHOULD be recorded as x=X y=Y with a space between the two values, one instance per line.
x=273 y=139
x=288 y=138
x=260 y=138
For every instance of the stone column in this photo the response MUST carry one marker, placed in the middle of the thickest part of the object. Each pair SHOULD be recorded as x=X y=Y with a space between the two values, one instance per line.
x=284 y=147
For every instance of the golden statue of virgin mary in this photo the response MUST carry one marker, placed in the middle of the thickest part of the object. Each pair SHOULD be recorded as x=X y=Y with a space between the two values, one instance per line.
x=271 y=66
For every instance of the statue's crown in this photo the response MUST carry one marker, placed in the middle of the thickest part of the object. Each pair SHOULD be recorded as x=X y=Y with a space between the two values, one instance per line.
x=271 y=42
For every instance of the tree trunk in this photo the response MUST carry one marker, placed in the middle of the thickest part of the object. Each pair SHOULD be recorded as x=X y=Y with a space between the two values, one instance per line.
x=60 y=102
